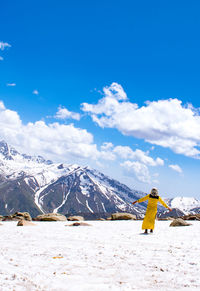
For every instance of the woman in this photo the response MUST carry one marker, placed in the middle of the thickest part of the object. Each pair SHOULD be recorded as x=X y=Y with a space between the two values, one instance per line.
x=150 y=216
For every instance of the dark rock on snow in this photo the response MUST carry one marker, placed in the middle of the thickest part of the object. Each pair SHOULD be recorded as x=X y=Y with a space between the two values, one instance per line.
x=25 y=223
x=50 y=217
x=18 y=216
x=123 y=216
x=75 y=218
x=179 y=222
x=79 y=224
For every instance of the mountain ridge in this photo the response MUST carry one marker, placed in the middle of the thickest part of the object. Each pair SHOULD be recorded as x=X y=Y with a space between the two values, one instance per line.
x=52 y=187
x=33 y=184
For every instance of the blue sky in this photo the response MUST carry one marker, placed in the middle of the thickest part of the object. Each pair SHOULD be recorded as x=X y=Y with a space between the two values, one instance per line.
x=109 y=55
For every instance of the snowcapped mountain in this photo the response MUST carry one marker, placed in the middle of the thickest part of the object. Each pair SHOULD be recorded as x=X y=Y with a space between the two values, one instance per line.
x=38 y=186
x=33 y=184
x=185 y=204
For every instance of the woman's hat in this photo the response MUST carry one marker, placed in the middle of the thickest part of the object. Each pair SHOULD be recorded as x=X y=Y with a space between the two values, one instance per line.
x=154 y=191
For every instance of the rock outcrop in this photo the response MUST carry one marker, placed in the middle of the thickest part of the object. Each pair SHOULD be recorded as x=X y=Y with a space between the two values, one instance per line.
x=25 y=223
x=75 y=218
x=165 y=219
x=18 y=216
x=123 y=216
x=179 y=222
x=192 y=217
x=51 y=217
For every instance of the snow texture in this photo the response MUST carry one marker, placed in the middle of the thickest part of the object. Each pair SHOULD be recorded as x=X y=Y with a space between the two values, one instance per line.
x=109 y=255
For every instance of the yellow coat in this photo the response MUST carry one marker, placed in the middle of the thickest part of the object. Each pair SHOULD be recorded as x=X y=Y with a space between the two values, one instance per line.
x=150 y=216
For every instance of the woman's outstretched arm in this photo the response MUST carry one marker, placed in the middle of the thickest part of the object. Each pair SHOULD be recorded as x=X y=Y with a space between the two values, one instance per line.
x=164 y=204
x=141 y=199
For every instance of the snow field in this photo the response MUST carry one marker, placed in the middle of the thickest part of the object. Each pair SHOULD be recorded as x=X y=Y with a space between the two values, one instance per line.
x=109 y=255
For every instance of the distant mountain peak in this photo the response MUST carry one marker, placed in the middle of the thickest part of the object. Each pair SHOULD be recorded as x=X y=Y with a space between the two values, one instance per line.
x=10 y=153
x=7 y=151
x=185 y=204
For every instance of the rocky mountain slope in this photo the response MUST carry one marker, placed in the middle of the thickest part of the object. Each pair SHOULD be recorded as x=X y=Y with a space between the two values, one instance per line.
x=38 y=186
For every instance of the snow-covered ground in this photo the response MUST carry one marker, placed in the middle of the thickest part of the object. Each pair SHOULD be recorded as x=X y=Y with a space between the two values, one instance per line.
x=109 y=255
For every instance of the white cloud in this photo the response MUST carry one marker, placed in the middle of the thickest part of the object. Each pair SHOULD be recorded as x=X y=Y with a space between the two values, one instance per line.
x=1 y=58
x=55 y=141
x=11 y=84
x=107 y=146
x=115 y=90
x=176 y=168
x=107 y=155
x=166 y=123
x=126 y=152
x=137 y=163
x=106 y=152
x=64 y=113
x=67 y=143
x=138 y=170
x=35 y=92
x=4 y=45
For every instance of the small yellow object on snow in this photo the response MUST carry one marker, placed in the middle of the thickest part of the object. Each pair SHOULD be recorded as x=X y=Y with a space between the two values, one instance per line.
x=58 y=257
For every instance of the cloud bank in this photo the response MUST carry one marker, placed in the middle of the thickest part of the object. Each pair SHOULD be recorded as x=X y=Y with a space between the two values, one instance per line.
x=57 y=141
x=136 y=163
x=67 y=143
x=166 y=123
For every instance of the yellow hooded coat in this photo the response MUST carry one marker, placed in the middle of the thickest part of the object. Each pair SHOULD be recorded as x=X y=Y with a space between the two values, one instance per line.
x=150 y=216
